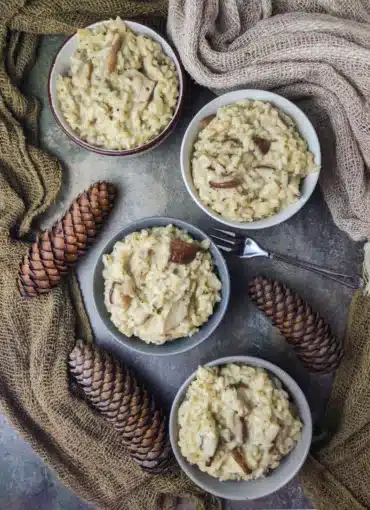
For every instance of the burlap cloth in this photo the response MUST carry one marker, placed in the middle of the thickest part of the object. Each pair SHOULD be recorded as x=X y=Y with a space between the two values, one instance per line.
x=318 y=50
x=36 y=335
x=323 y=57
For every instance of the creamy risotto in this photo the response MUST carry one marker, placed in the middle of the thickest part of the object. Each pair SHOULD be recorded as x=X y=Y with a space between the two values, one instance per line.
x=160 y=284
x=121 y=90
x=236 y=422
x=249 y=160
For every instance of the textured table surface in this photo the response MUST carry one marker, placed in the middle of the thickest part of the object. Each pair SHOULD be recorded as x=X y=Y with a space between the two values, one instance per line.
x=151 y=185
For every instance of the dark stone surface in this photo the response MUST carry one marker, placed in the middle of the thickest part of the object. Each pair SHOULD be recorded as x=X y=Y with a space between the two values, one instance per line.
x=152 y=185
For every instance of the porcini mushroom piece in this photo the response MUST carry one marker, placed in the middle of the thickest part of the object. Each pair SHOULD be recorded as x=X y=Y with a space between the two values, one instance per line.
x=111 y=291
x=206 y=120
x=112 y=58
x=238 y=456
x=126 y=300
x=233 y=183
x=262 y=144
x=183 y=252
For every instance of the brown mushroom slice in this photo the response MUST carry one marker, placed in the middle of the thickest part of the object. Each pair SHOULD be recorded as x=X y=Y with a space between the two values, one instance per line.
x=126 y=301
x=233 y=183
x=89 y=70
x=183 y=252
x=244 y=386
x=111 y=292
x=112 y=58
x=238 y=456
x=206 y=120
x=262 y=144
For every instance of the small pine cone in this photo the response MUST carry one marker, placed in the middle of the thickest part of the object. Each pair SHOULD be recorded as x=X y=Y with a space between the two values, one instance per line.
x=59 y=248
x=37 y=276
x=311 y=338
x=115 y=392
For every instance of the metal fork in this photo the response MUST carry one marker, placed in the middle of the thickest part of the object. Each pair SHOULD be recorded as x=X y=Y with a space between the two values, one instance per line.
x=247 y=248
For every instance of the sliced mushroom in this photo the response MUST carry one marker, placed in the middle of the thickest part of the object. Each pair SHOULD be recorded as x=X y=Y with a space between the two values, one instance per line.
x=206 y=120
x=239 y=429
x=262 y=144
x=233 y=183
x=128 y=287
x=112 y=58
x=111 y=292
x=89 y=70
x=211 y=458
x=126 y=301
x=183 y=252
x=265 y=167
x=211 y=442
x=238 y=456
x=143 y=87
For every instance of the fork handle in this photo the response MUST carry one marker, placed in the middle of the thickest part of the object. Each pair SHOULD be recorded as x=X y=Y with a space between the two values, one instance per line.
x=351 y=281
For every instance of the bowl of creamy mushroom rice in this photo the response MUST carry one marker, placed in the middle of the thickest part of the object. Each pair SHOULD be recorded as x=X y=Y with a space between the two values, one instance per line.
x=116 y=88
x=250 y=159
x=165 y=297
x=240 y=427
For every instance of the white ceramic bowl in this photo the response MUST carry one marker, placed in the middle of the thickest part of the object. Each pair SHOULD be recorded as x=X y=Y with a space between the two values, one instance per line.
x=61 y=64
x=277 y=478
x=304 y=127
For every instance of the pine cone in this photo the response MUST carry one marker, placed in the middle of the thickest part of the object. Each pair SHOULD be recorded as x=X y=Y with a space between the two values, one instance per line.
x=311 y=338
x=58 y=249
x=113 y=390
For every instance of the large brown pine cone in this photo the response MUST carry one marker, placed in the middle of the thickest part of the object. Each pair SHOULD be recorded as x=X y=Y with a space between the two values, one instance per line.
x=311 y=338
x=115 y=392
x=59 y=248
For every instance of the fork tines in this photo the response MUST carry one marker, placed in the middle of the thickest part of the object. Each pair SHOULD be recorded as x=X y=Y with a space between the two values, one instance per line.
x=228 y=237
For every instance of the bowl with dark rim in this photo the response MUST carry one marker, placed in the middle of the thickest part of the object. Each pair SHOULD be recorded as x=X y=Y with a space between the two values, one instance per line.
x=179 y=345
x=276 y=478
x=61 y=65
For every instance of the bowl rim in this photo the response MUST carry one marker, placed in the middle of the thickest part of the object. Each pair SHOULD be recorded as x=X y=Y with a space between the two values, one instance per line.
x=136 y=226
x=292 y=388
x=279 y=102
x=118 y=152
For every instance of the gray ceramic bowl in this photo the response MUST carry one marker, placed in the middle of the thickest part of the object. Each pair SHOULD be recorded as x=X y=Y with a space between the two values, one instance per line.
x=174 y=346
x=277 y=478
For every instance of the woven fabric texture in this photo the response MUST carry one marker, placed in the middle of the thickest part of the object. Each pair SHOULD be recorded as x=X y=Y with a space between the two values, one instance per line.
x=336 y=476
x=312 y=49
x=38 y=334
